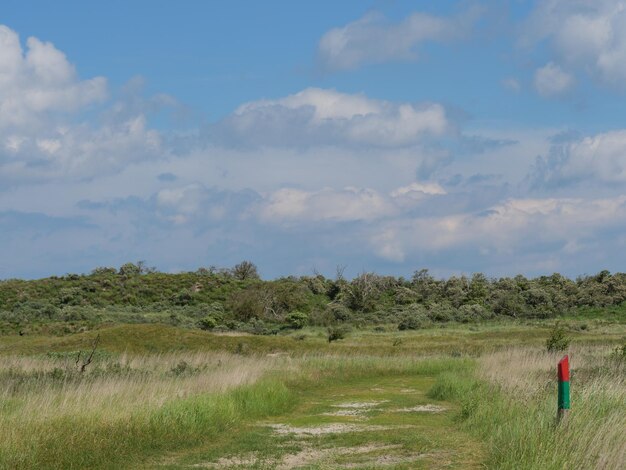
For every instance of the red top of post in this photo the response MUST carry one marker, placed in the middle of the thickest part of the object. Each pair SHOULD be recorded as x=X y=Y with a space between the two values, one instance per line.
x=563 y=369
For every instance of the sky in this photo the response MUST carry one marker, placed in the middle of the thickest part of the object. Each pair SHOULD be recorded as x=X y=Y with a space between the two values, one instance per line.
x=388 y=136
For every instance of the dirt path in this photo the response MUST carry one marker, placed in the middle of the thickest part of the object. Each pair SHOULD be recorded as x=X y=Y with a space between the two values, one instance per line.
x=387 y=423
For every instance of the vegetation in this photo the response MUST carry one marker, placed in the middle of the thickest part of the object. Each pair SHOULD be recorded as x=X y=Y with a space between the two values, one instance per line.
x=510 y=404
x=131 y=368
x=237 y=299
x=558 y=340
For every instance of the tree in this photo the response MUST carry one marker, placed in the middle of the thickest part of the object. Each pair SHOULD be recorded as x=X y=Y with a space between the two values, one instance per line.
x=130 y=269
x=245 y=270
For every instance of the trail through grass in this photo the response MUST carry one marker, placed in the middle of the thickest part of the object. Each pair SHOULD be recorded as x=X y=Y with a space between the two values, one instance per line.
x=364 y=423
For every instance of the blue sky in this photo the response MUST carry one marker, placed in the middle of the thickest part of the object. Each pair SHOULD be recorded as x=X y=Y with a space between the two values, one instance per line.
x=460 y=136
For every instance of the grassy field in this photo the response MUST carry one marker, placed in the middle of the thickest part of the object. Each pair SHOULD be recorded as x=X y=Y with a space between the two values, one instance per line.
x=458 y=396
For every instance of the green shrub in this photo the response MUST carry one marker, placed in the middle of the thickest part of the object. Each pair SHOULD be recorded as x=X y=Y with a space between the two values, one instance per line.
x=440 y=312
x=338 y=312
x=558 y=340
x=297 y=320
x=207 y=323
x=414 y=322
x=337 y=332
x=471 y=313
x=246 y=305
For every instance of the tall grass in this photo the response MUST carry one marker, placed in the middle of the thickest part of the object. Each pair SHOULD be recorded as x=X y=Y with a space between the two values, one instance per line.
x=512 y=406
x=54 y=417
x=126 y=407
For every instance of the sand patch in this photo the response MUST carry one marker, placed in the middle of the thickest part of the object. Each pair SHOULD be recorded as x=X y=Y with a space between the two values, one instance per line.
x=360 y=404
x=354 y=409
x=310 y=456
x=421 y=409
x=351 y=413
x=333 y=428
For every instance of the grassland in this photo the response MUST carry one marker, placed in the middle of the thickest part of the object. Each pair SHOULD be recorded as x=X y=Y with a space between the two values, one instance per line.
x=156 y=396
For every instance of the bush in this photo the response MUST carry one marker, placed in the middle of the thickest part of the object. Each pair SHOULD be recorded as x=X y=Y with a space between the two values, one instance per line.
x=339 y=312
x=414 y=322
x=471 y=313
x=441 y=312
x=246 y=305
x=558 y=340
x=337 y=332
x=207 y=323
x=182 y=298
x=130 y=269
x=297 y=320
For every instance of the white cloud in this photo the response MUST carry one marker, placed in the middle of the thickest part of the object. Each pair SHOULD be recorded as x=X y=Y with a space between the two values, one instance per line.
x=587 y=34
x=417 y=190
x=599 y=158
x=374 y=39
x=43 y=132
x=77 y=151
x=39 y=81
x=318 y=116
x=509 y=227
x=551 y=80
x=349 y=204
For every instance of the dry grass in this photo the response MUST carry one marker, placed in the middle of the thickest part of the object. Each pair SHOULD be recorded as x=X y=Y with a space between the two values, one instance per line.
x=52 y=416
x=119 y=386
x=595 y=433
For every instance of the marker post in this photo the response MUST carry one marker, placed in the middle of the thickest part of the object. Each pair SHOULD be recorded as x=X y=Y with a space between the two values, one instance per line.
x=563 y=398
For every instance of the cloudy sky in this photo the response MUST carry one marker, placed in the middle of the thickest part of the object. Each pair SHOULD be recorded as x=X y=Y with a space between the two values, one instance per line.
x=379 y=135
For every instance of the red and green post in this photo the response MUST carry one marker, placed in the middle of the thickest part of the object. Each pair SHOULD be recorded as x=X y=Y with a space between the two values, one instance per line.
x=564 y=402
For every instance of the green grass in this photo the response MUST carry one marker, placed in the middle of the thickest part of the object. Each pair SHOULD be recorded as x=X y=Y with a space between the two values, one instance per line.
x=515 y=416
x=88 y=440
x=447 y=339
x=500 y=402
x=405 y=439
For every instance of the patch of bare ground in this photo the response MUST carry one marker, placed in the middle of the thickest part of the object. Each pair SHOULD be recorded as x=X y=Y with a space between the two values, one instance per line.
x=355 y=409
x=332 y=428
x=310 y=456
x=360 y=404
x=421 y=409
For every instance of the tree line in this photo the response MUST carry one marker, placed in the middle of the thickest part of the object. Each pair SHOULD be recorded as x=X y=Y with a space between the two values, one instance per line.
x=237 y=298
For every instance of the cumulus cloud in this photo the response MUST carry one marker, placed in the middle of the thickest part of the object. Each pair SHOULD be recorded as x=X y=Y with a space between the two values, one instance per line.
x=590 y=35
x=343 y=205
x=199 y=204
x=76 y=151
x=349 y=204
x=375 y=39
x=38 y=81
x=320 y=116
x=600 y=158
x=513 y=226
x=43 y=134
x=551 y=80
